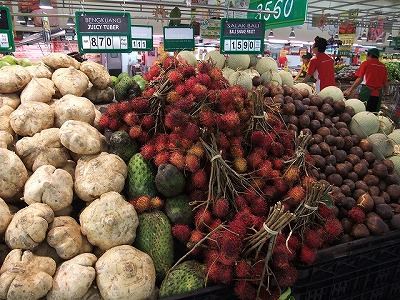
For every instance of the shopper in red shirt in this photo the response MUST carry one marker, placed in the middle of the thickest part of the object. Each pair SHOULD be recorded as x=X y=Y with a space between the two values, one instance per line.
x=373 y=76
x=321 y=66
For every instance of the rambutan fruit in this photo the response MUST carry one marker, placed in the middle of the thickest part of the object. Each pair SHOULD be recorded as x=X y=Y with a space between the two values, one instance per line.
x=216 y=74
x=154 y=71
x=281 y=185
x=228 y=120
x=245 y=217
x=207 y=118
x=307 y=180
x=268 y=141
x=222 y=141
x=244 y=115
x=258 y=269
x=196 y=149
x=333 y=227
x=307 y=254
x=256 y=137
x=286 y=277
x=292 y=173
x=199 y=91
x=174 y=76
x=238 y=103
x=278 y=163
x=240 y=164
x=325 y=212
x=169 y=62
x=270 y=192
x=254 y=160
x=161 y=158
x=140 y=105
x=135 y=131
x=226 y=274
x=200 y=179
x=220 y=207
x=195 y=237
x=293 y=243
x=175 y=118
x=356 y=214
x=240 y=202
x=188 y=70
x=181 y=89
x=211 y=257
x=104 y=120
x=191 y=82
x=156 y=203
x=114 y=124
x=181 y=232
x=242 y=269
x=191 y=131
x=204 y=67
x=277 y=149
x=312 y=238
x=192 y=162
x=259 y=207
x=245 y=290
x=213 y=272
x=204 y=79
x=185 y=104
x=231 y=243
x=239 y=91
x=149 y=92
x=238 y=226
x=112 y=110
x=131 y=118
x=225 y=96
x=173 y=97
x=265 y=169
x=236 y=150
x=296 y=194
x=214 y=224
x=177 y=158
x=148 y=151
x=227 y=260
x=250 y=194
x=142 y=204
x=276 y=174
x=280 y=260
x=203 y=218
x=161 y=142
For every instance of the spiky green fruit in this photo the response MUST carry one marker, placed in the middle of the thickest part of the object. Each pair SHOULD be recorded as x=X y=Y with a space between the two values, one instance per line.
x=178 y=209
x=140 y=178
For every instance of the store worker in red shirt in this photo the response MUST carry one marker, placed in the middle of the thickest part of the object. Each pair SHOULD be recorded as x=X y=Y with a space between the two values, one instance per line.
x=373 y=76
x=321 y=66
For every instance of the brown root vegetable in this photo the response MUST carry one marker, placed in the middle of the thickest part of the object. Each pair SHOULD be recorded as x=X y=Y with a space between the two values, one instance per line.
x=13 y=78
x=38 y=89
x=70 y=81
x=124 y=272
x=375 y=224
x=71 y=107
x=24 y=275
x=97 y=74
x=5 y=216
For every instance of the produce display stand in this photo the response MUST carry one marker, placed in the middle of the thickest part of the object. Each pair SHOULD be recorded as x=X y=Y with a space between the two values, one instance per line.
x=391 y=102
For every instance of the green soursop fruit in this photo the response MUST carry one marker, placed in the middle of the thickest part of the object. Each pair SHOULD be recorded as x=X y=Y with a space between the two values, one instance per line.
x=186 y=277
x=121 y=144
x=127 y=88
x=154 y=237
x=169 y=180
x=140 y=178
x=178 y=210
x=122 y=75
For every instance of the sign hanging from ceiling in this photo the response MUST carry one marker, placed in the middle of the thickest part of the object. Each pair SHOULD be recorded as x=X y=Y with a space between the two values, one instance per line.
x=6 y=35
x=103 y=32
x=142 y=38
x=287 y=12
x=242 y=36
x=178 y=38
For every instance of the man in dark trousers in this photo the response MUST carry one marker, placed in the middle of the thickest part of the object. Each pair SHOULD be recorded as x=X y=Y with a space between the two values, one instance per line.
x=373 y=76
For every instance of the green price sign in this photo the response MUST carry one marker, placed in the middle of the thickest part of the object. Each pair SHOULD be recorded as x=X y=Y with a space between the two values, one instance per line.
x=178 y=38
x=242 y=36
x=287 y=12
x=103 y=32
x=142 y=38
x=6 y=35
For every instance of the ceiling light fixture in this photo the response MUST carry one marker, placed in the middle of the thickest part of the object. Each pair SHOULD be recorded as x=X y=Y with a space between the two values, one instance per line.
x=20 y=20
x=379 y=41
x=70 y=22
x=30 y=23
x=292 y=35
x=271 y=34
x=45 y=4
x=389 y=38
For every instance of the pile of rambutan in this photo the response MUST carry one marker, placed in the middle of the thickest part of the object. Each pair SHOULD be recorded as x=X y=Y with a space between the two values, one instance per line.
x=184 y=108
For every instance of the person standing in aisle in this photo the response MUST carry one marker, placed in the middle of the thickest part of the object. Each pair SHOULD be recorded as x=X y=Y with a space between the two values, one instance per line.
x=321 y=66
x=373 y=77
x=303 y=70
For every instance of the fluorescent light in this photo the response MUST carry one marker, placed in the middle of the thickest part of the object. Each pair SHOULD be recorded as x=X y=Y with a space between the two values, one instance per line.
x=70 y=22
x=292 y=35
x=389 y=38
x=21 y=20
x=271 y=34
x=30 y=23
x=45 y=4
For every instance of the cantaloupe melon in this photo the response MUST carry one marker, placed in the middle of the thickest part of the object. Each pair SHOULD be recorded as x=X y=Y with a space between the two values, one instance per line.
x=286 y=77
x=241 y=78
x=271 y=76
x=331 y=91
x=357 y=104
x=187 y=56
x=386 y=125
x=364 y=124
x=216 y=58
x=395 y=136
x=396 y=161
x=265 y=64
x=302 y=85
x=238 y=61
x=253 y=60
x=252 y=72
x=382 y=145
x=226 y=72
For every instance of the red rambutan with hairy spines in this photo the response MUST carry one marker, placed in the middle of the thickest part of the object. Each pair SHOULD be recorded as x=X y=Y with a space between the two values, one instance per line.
x=196 y=149
x=177 y=158
x=242 y=269
x=231 y=243
x=287 y=277
x=325 y=212
x=228 y=120
x=280 y=184
x=131 y=118
x=216 y=74
x=148 y=151
x=268 y=141
x=225 y=96
x=112 y=110
x=156 y=203
x=228 y=260
x=154 y=71
x=239 y=91
x=186 y=103
x=333 y=227
x=207 y=118
x=270 y=192
x=265 y=169
x=213 y=272
x=114 y=124
x=124 y=107
x=276 y=174
x=140 y=105
x=174 y=76
x=211 y=256
x=188 y=70
x=236 y=150
x=222 y=141
x=199 y=91
x=203 y=218
x=181 y=89
x=104 y=120
x=200 y=179
x=161 y=142
x=307 y=255
x=245 y=216
x=195 y=237
x=240 y=164
x=280 y=260
x=191 y=131
x=204 y=67
x=142 y=204
x=240 y=202
x=191 y=82
x=214 y=224
x=220 y=207
x=148 y=93
x=192 y=162
x=175 y=118
x=238 y=226
x=204 y=79
x=170 y=62
x=173 y=97
x=161 y=158
x=296 y=194
x=312 y=238
x=226 y=274
x=293 y=243
x=245 y=290
x=292 y=173
x=277 y=149
x=278 y=163
x=257 y=137
x=356 y=214
x=254 y=160
x=135 y=131
x=258 y=269
x=148 y=122
x=197 y=195
x=181 y=232
x=259 y=206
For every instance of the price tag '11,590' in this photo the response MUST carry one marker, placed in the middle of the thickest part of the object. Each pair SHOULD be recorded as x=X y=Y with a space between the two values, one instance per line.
x=103 y=32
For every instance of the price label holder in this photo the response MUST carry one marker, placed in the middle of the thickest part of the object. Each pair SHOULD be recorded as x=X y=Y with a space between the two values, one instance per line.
x=242 y=36
x=178 y=38
x=142 y=38
x=287 y=12
x=103 y=32
x=6 y=34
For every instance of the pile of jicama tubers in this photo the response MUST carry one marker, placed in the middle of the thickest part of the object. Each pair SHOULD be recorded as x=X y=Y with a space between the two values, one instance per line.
x=52 y=156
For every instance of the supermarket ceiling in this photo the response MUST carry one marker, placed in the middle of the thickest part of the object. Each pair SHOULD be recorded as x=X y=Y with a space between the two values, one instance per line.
x=367 y=12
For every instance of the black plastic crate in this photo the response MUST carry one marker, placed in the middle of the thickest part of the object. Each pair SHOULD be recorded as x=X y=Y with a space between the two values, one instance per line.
x=365 y=269
x=217 y=292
